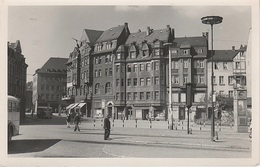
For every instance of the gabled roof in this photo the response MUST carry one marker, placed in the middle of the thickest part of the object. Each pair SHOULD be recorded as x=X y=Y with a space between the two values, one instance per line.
x=90 y=36
x=111 y=34
x=223 y=55
x=192 y=41
x=54 y=63
x=139 y=37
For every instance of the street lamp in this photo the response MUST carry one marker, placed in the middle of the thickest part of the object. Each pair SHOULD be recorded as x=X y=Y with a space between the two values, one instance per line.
x=212 y=20
x=170 y=88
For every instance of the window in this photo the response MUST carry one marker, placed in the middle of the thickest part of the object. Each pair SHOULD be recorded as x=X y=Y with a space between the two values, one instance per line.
x=129 y=68
x=148 y=81
x=117 y=96
x=201 y=63
x=117 y=82
x=135 y=96
x=117 y=68
x=97 y=89
x=200 y=50
x=141 y=81
x=156 y=81
x=99 y=47
x=82 y=75
x=129 y=96
x=156 y=95
x=156 y=66
x=157 y=52
x=99 y=72
x=132 y=55
x=106 y=72
x=225 y=65
x=183 y=97
x=230 y=93
x=96 y=73
x=186 y=64
x=148 y=95
x=108 y=87
x=221 y=79
x=186 y=52
x=175 y=97
x=135 y=68
x=118 y=56
x=42 y=87
x=122 y=82
x=129 y=82
x=202 y=81
x=237 y=65
x=135 y=81
x=176 y=65
x=107 y=60
x=108 y=45
x=141 y=95
x=145 y=53
x=221 y=92
x=199 y=97
x=175 y=79
x=148 y=67
x=110 y=72
x=96 y=60
x=174 y=51
x=185 y=79
x=216 y=65
x=230 y=80
x=141 y=67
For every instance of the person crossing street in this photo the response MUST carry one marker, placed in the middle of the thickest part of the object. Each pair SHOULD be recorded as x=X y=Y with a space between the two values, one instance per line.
x=77 y=121
x=107 y=128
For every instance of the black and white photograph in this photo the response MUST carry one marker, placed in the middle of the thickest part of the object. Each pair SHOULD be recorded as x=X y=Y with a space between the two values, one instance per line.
x=162 y=84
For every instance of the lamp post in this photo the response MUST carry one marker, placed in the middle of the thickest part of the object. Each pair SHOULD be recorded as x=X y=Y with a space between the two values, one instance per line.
x=170 y=88
x=212 y=20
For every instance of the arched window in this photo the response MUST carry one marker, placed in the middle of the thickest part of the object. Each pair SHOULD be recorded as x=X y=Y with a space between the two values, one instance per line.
x=108 y=88
x=97 y=88
x=74 y=91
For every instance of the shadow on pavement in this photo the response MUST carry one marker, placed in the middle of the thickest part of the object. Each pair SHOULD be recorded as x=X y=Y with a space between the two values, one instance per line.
x=29 y=146
x=55 y=120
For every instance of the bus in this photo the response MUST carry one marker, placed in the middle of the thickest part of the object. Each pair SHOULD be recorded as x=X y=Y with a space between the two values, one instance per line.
x=13 y=117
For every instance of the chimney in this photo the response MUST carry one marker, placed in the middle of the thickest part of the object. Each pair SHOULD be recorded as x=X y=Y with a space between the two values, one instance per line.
x=126 y=25
x=148 y=30
x=173 y=33
x=233 y=48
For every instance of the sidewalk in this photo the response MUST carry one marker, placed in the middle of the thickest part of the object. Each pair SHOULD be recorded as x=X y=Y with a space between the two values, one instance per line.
x=160 y=135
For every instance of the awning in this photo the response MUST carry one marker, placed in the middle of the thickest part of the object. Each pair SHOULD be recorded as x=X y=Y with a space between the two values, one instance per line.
x=74 y=105
x=81 y=105
x=68 y=107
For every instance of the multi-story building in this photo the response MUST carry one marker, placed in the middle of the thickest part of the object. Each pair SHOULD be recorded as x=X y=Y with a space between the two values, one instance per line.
x=189 y=57
x=125 y=74
x=49 y=84
x=80 y=73
x=17 y=73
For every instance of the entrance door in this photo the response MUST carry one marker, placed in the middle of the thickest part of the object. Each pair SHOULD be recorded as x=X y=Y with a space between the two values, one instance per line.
x=182 y=113
x=109 y=111
x=145 y=115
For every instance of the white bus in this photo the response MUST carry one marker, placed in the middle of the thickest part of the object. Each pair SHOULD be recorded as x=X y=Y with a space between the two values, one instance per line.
x=13 y=117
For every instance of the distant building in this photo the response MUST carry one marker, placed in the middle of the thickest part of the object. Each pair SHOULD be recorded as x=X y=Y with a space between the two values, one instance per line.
x=29 y=95
x=49 y=84
x=17 y=73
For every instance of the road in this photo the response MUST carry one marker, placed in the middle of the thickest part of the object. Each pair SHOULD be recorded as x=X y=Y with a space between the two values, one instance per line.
x=52 y=139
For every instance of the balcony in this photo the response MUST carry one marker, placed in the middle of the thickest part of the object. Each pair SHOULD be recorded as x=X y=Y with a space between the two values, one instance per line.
x=68 y=97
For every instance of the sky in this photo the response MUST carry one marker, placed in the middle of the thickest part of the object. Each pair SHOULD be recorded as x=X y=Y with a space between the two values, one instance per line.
x=47 y=31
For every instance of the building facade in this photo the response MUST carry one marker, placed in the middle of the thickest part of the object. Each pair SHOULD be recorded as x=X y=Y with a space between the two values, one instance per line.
x=125 y=74
x=49 y=84
x=29 y=95
x=17 y=73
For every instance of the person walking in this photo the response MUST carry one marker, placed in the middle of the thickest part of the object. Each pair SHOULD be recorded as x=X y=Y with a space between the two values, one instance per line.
x=107 y=128
x=68 y=120
x=76 y=122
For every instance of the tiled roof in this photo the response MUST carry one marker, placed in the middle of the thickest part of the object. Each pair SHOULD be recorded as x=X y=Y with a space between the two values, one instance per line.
x=91 y=36
x=193 y=41
x=54 y=63
x=112 y=33
x=139 y=37
x=223 y=55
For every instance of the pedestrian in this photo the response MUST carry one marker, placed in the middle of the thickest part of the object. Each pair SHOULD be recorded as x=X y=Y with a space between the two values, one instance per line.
x=68 y=120
x=107 y=128
x=77 y=121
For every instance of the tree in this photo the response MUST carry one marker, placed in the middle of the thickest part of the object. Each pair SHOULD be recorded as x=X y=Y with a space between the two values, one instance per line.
x=225 y=103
